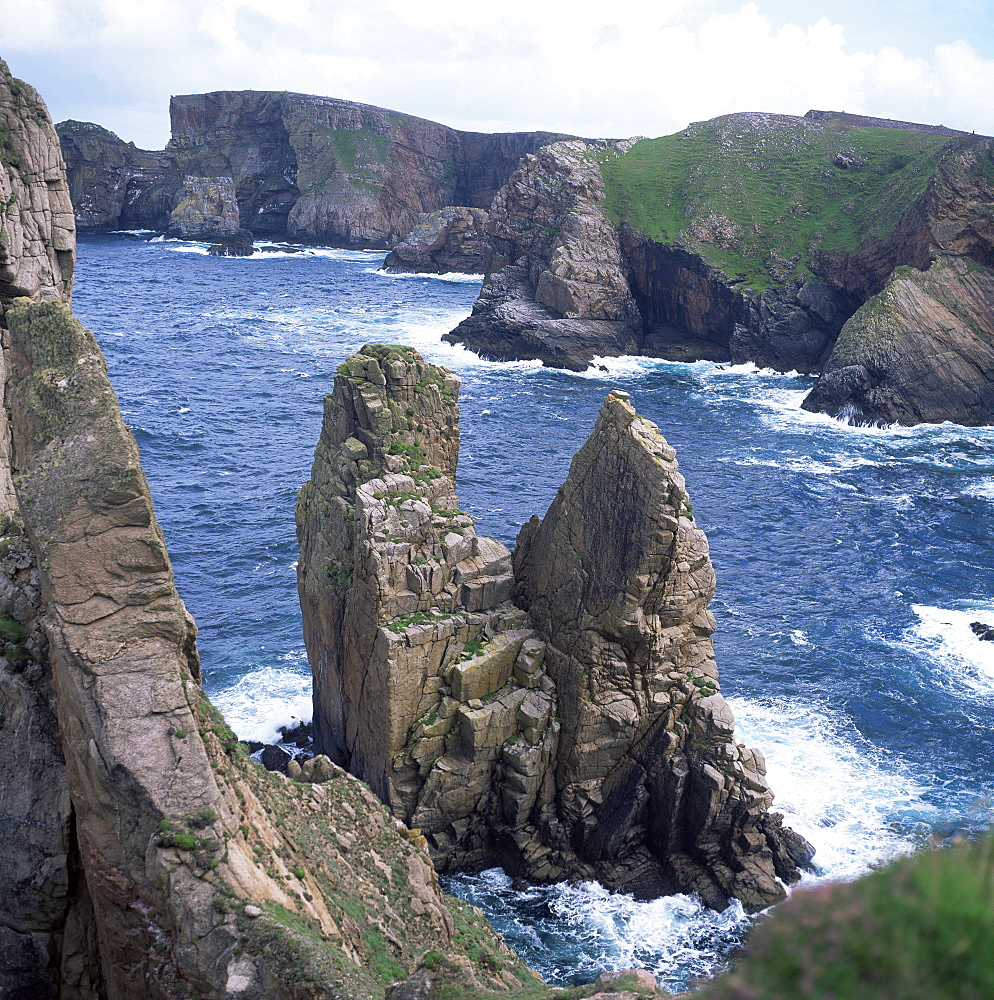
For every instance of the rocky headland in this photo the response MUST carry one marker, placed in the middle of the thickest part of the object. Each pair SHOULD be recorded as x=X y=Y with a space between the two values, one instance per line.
x=751 y=238
x=288 y=166
x=556 y=710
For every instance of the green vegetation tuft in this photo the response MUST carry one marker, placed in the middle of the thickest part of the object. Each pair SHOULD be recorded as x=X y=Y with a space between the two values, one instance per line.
x=761 y=196
x=919 y=929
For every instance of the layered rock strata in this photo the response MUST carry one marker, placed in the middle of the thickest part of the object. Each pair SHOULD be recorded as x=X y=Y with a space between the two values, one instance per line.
x=145 y=857
x=556 y=286
x=920 y=350
x=575 y=731
x=302 y=167
x=451 y=240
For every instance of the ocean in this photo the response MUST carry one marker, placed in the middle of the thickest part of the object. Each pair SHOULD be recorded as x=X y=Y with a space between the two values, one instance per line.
x=850 y=561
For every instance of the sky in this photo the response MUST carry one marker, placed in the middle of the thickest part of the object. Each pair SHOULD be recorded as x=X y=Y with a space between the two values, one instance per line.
x=613 y=68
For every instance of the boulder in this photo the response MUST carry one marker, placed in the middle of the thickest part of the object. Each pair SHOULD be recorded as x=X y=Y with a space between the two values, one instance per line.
x=451 y=240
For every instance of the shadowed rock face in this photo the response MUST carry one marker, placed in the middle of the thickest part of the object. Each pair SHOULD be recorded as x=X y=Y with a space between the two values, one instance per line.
x=113 y=184
x=576 y=732
x=145 y=857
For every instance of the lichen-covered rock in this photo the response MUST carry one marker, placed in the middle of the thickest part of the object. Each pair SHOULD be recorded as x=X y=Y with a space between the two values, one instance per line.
x=577 y=734
x=556 y=288
x=451 y=240
x=407 y=614
x=922 y=350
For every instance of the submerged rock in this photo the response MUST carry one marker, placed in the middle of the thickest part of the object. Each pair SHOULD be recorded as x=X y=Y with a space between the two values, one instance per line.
x=983 y=632
x=575 y=731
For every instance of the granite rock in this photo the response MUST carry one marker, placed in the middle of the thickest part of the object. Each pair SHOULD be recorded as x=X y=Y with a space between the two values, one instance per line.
x=575 y=733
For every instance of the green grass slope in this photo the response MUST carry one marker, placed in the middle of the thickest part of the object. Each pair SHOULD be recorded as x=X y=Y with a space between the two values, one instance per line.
x=919 y=929
x=762 y=196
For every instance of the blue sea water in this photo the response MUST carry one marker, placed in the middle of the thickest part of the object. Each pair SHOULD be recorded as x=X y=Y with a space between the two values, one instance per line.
x=850 y=561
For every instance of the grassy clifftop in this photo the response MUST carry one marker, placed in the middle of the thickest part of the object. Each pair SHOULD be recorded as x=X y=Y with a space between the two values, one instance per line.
x=762 y=196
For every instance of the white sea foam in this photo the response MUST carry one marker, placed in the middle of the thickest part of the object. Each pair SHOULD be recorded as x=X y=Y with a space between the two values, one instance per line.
x=574 y=932
x=451 y=276
x=945 y=637
x=983 y=488
x=261 y=701
x=835 y=788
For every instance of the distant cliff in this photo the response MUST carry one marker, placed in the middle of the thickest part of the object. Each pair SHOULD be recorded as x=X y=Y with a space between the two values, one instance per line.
x=751 y=237
x=303 y=167
x=574 y=732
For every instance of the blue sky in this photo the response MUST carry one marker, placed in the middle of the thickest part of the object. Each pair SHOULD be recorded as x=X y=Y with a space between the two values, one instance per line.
x=619 y=68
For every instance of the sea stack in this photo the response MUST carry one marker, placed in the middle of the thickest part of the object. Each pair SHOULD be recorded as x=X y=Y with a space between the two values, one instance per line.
x=559 y=711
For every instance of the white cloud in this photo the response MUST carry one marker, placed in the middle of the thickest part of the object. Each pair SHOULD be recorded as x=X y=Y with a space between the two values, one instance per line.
x=581 y=67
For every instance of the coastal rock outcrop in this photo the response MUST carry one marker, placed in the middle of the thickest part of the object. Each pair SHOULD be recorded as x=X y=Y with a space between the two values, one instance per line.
x=113 y=184
x=302 y=167
x=207 y=211
x=451 y=240
x=920 y=350
x=559 y=713
x=145 y=856
x=556 y=287
x=750 y=238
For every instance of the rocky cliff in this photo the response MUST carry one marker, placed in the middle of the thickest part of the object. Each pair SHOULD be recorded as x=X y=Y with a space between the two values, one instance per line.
x=114 y=185
x=574 y=731
x=747 y=238
x=145 y=856
x=920 y=350
x=556 y=286
x=302 y=167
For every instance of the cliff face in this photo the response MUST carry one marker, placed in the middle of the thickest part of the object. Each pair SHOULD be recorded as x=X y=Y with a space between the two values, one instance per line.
x=302 y=167
x=577 y=732
x=556 y=286
x=920 y=350
x=145 y=856
x=749 y=238
x=112 y=184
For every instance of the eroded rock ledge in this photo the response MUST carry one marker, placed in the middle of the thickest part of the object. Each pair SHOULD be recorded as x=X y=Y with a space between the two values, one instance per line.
x=558 y=711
